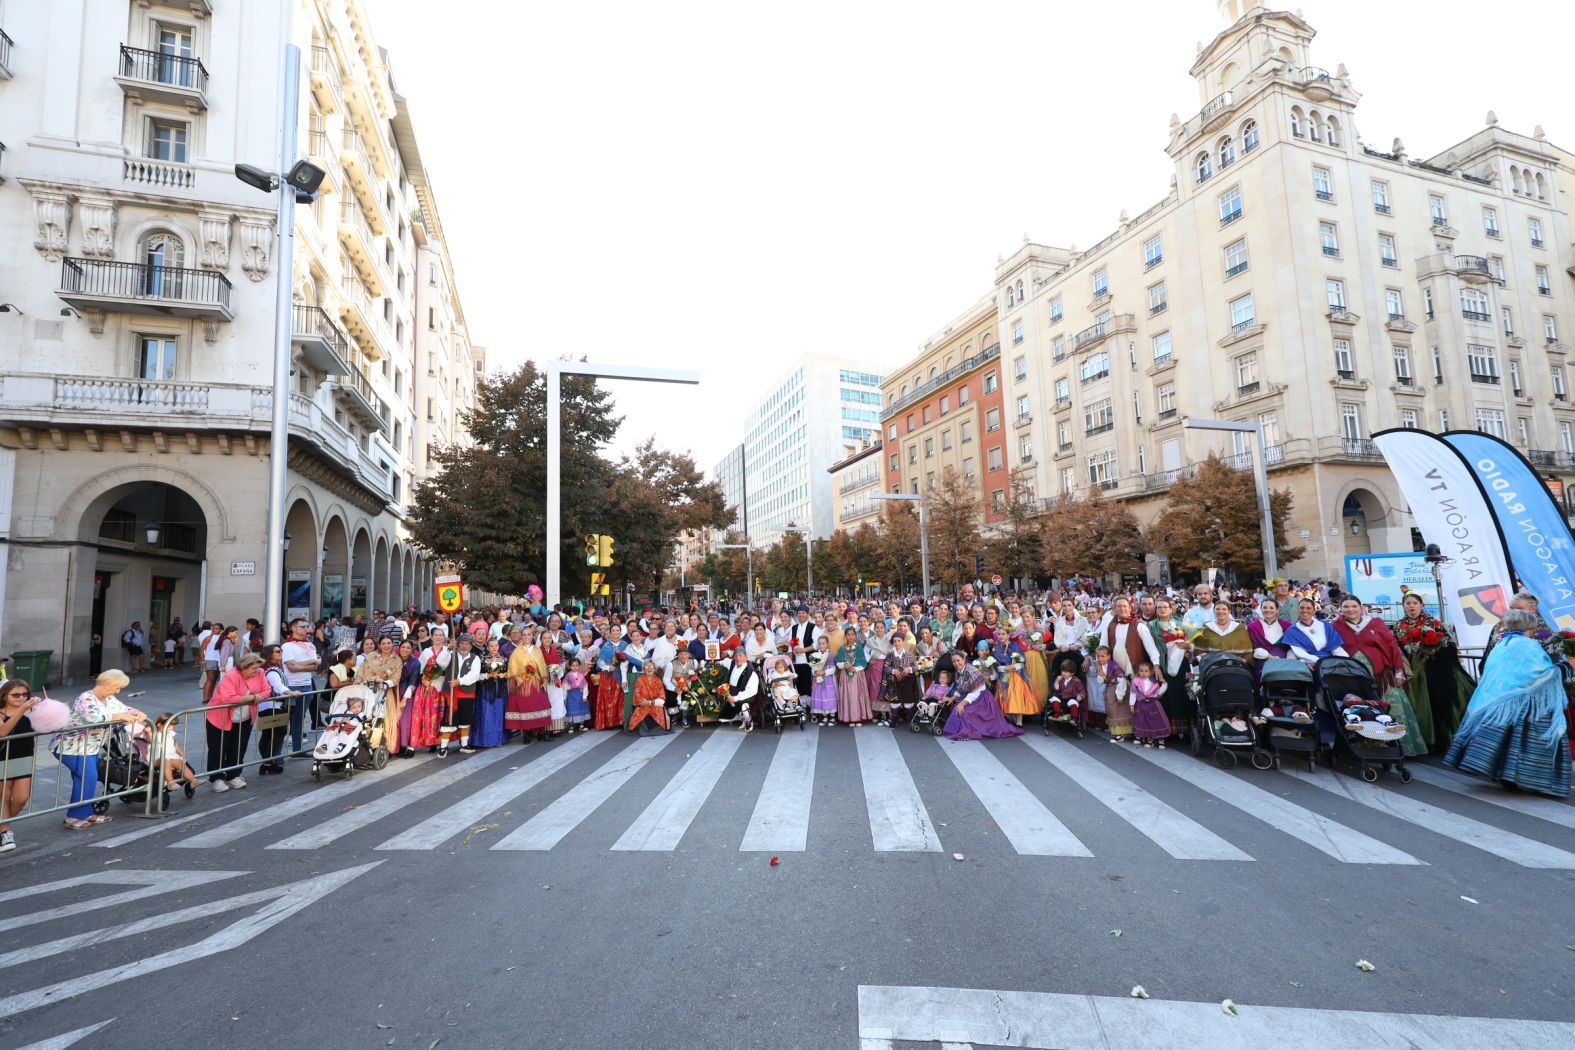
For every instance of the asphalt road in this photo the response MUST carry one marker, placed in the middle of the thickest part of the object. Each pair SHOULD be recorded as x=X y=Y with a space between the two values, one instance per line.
x=593 y=891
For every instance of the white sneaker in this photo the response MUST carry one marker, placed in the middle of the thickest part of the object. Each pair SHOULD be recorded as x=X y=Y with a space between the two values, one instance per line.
x=7 y=841
x=221 y=786
x=237 y=782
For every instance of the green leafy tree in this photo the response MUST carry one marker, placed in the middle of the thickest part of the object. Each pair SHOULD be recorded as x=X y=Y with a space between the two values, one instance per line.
x=654 y=495
x=1211 y=520
x=485 y=509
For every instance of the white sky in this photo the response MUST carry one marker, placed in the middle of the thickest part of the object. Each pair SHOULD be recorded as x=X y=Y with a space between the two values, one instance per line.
x=721 y=185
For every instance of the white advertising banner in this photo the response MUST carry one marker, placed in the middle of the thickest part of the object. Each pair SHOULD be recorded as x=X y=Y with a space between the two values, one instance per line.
x=1451 y=511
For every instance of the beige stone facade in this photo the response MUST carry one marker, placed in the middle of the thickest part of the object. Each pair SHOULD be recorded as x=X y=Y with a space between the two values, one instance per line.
x=853 y=480
x=1299 y=277
x=141 y=278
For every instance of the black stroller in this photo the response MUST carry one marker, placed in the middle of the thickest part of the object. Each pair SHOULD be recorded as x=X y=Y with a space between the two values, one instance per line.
x=1347 y=733
x=1288 y=692
x=1223 y=692
x=923 y=722
x=119 y=769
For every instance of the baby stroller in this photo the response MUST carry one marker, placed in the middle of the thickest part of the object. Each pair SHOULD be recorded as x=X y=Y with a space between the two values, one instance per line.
x=1340 y=677
x=783 y=704
x=1287 y=712
x=1223 y=691
x=924 y=722
x=340 y=751
x=120 y=769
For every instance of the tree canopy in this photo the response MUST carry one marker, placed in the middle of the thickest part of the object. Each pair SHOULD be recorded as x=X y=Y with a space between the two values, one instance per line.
x=485 y=509
x=1211 y=520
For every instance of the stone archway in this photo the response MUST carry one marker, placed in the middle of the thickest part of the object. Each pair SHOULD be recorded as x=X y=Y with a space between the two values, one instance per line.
x=336 y=568
x=359 y=596
x=380 y=570
x=1363 y=521
x=300 y=562
x=396 y=580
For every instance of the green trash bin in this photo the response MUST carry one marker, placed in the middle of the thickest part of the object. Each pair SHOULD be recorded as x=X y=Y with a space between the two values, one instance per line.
x=32 y=666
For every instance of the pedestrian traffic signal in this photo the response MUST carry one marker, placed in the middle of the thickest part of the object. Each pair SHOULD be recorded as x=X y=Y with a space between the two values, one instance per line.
x=592 y=548
x=978 y=565
x=605 y=557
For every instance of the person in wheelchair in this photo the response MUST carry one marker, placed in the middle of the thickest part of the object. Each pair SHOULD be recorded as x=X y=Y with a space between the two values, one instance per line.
x=650 y=701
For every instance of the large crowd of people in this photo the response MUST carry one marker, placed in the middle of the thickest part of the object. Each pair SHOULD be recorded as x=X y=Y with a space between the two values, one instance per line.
x=972 y=666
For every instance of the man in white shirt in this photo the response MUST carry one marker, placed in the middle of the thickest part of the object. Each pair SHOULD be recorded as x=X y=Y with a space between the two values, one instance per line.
x=1202 y=611
x=300 y=661
x=801 y=640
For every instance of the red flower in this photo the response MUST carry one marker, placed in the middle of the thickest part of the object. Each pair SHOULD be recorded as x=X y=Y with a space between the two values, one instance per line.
x=1430 y=638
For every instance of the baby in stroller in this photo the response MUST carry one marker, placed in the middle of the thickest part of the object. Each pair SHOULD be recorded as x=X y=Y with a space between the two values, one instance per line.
x=935 y=705
x=782 y=687
x=1066 y=694
x=171 y=758
x=342 y=732
x=1369 y=718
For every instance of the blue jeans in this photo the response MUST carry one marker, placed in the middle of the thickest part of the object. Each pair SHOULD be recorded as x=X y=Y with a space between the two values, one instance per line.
x=84 y=783
x=297 y=716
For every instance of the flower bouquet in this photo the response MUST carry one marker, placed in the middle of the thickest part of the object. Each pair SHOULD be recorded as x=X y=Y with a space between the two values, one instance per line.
x=432 y=674
x=497 y=668
x=1091 y=644
x=1421 y=638
x=817 y=665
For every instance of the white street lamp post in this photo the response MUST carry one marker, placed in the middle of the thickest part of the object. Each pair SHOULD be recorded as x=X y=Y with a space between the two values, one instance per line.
x=924 y=529
x=555 y=371
x=749 y=564
x=809 y=556
x=1260 y=475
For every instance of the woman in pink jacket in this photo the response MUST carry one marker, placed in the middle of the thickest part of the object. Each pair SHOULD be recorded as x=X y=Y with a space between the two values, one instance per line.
x=230 y=714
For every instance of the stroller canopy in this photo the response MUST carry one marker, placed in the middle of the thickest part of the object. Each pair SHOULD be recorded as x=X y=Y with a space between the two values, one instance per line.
x=1286 y=672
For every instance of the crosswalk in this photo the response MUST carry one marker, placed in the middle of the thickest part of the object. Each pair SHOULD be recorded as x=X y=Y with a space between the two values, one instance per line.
x=1035 y=796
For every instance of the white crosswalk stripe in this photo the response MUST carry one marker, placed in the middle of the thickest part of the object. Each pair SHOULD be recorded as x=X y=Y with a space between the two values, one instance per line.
x=1031 y=828
x=438 y=829
x=1551 y=810
x=1528 y=853
x=1175 y=833
x=279 y=812
x=547 y=828
x=899 y=823
x=392 y=802
x=670 y=813
x=1026 y=812
x=1319 y=832
x=780 y=823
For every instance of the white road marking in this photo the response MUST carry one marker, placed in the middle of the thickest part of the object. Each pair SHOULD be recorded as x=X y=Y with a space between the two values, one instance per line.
x=149 y=883
x=1031 y=828
x=899 y=823
x=670 y=813
x=1551 y=810
x=391 y=803
x=1050 y=1021
x=65 y=1039
x=780 y=823
x=439 y=828
x=1528 y=853
x=155 y=828
x=1171 y=830
x=280 y=812
x=290 y=899
x=1321 y=833
x=547 y=828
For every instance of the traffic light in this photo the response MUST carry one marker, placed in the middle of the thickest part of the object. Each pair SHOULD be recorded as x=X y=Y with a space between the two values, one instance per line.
x=592 y=548
x=978 y=565
x=605 y=557
x=596 y=582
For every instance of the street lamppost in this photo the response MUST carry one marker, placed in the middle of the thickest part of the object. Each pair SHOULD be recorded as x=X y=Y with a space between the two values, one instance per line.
x=1260 y=476
x=556 y=370
x=296 y=182
x=749 y=567
x=924 y=528
x=809 y=555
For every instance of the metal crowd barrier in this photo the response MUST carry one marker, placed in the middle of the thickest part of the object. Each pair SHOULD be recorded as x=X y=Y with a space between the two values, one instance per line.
x=119 y=748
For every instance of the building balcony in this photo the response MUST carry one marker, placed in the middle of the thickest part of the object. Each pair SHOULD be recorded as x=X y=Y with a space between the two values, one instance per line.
x=160 y=174
x=355 y=310
x=100 y=406
x=1215 y=109
x=322 y=344
x=1473 y=269
x=353 y=390
x=359 y=173
x=1358 y=449
x=321 y=154
x=360 y=244
x=158 y=76
x=952 y=374
x=327 y=81
x=5 y=55
x=104 y=286
x=1164 y=480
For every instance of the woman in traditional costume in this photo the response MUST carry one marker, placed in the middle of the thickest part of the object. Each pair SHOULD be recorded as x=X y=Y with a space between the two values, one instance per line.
x=1434 y=683
x=877 y=646
x=430 y=709
x=976 y=715
x=528 y=708
x=1370 y=640
x=1309 y=638
x=1170 y=633
x=492 y=699
x=1130 y=643
x=409 y=682
x=853 y=690
x=899 y=680
x=1515 y=730
x=1033 y=643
